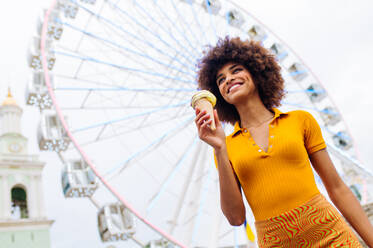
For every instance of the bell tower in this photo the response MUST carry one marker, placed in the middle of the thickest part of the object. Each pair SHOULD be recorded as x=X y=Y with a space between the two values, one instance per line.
x=23 y=221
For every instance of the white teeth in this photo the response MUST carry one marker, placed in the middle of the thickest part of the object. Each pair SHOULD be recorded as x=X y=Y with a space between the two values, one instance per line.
x=234 y=86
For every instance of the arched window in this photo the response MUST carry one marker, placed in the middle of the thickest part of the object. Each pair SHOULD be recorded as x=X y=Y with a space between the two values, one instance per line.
x=19 y=203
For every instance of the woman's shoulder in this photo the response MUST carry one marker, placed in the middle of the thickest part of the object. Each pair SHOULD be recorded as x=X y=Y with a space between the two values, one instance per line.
x=299 y=114
x=302 y=117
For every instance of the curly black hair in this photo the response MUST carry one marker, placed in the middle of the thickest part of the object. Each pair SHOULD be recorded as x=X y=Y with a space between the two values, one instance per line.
x=261 y=64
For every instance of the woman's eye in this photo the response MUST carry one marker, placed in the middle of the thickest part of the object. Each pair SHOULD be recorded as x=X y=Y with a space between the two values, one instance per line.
x=220 y=81
x=237 y=70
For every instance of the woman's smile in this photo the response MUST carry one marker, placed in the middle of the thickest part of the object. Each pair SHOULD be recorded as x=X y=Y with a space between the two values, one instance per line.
x=233 y=87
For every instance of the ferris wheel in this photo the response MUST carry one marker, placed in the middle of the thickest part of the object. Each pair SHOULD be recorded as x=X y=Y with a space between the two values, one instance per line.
x=113 y=81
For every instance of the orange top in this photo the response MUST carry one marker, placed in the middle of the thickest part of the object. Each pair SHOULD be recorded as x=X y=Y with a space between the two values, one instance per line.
x=281 y=178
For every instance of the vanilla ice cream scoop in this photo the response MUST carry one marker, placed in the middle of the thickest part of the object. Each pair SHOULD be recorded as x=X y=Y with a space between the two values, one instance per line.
x=205 y=100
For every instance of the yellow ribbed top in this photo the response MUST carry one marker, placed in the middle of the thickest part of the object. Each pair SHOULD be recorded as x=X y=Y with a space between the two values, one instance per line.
x=281 y=178
x=9 y=100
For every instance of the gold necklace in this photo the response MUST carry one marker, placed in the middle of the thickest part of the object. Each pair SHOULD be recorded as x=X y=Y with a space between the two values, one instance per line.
x=253 y=127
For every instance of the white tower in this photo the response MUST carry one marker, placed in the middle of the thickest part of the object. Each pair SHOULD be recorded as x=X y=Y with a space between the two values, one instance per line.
x=23 y=221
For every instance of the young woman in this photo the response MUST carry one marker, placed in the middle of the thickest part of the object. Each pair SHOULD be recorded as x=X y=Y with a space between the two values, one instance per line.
x=268 y=155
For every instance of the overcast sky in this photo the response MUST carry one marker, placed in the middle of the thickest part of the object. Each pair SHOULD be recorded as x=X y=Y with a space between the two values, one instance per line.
x=333 y=37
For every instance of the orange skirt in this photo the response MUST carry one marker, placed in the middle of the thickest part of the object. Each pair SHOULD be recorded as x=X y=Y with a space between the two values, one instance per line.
x=314 y=224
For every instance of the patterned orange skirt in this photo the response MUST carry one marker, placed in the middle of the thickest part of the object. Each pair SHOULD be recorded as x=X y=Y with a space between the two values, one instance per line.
x=314 y=224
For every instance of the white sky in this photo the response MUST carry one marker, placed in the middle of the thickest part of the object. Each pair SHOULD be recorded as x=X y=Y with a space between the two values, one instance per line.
x=333 y=37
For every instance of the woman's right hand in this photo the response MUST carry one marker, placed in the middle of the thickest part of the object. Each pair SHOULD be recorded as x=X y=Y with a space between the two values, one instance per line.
x=215 y=138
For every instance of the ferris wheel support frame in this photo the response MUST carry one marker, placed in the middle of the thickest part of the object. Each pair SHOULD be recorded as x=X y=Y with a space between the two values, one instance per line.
x=196 y=192
x=185 y=188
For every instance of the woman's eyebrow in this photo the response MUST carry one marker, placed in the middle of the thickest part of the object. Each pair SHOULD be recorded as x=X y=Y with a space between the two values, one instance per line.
x=233 y=66
x=230 y=68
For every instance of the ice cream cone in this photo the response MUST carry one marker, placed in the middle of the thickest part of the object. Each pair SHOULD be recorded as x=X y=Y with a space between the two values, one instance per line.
x=205 y=100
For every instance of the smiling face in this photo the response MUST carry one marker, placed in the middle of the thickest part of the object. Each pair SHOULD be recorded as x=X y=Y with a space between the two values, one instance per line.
x=235 y=82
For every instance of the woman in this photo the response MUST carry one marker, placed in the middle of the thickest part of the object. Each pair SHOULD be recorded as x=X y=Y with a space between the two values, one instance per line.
x=268 y=155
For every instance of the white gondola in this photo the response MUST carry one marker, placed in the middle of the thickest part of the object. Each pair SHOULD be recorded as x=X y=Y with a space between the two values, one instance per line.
x=78 y=180
x=297 y=71
x=115 y=222
x=316 y=93
x=55 y=28
x=159 y=244
x=37 y=91
x=279 y=51
x=34 y=55
x=330 y=116
x=257 y=33
x=212 y=6
x=342 y=140
x=69 y=9
x=51 y=134
x=235 y=18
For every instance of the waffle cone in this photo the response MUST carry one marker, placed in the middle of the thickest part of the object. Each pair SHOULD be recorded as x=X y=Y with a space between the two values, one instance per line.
x=204 y=104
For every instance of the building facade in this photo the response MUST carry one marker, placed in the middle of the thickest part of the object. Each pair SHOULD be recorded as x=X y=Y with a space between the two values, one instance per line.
x=23 y=220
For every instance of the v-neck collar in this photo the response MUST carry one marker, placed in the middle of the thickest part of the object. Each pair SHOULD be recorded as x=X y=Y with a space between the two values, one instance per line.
x=238 y=129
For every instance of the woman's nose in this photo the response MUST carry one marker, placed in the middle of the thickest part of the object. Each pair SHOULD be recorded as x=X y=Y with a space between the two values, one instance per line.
x=229 y=78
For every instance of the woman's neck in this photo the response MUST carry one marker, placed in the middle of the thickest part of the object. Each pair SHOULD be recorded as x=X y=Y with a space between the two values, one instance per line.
x=253 y=113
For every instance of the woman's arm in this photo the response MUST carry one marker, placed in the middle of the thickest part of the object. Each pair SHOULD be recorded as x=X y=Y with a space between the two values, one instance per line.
x=342 y=196
x=230 y=190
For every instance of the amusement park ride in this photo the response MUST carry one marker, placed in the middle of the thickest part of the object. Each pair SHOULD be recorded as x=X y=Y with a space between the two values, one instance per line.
x=113 y=82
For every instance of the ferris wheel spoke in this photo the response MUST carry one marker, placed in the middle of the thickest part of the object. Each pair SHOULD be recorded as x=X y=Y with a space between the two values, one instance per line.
x=137 y=38
x=188 y=56
x=85 y=26
x=193 y=34
x=127 y=89
x=128 y=117
x=120 y=167
x=96 y=105
x=85 y=99
x=116 y=85
x=127 y=131
x=174 y=25
x=169 y=32
x=205 y=187
x=226 y=233
x=185 y=26
x=146 y=29
x=108 y=42
x=134 y=70
x=106 y=108
x=186 y=185
x=121 y=84
x=94 y=60
x=212 y=24
x=117 y=101
x=203 y=31
x=226 y=22
x=171 y=174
